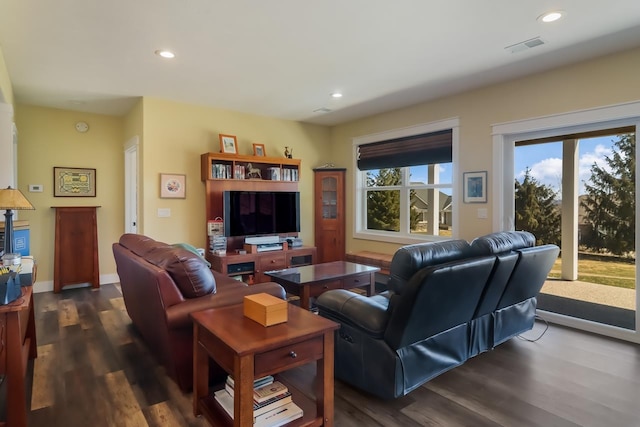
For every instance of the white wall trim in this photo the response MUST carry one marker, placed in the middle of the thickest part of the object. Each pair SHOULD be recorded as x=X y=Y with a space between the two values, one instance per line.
x=47 y=286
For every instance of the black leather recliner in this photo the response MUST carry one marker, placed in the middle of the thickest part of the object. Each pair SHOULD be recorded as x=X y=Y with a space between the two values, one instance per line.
x=448 y=301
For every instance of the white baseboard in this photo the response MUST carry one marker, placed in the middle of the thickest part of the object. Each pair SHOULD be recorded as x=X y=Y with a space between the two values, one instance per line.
x=47 y=286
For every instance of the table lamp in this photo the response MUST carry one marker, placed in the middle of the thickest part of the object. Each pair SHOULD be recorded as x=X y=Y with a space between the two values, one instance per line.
x=11 y=199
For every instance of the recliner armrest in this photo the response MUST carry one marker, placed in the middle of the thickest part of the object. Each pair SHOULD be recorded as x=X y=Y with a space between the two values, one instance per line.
x=368 y=314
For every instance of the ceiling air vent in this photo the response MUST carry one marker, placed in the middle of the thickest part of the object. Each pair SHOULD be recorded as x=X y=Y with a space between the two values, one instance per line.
x=527 y=44
x=322 y=110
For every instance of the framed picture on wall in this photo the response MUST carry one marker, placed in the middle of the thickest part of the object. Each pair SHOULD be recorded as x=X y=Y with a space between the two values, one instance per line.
x=228 y=144
x=258 y=150
x=173 y=186
x=74 y=182
x=475 y=187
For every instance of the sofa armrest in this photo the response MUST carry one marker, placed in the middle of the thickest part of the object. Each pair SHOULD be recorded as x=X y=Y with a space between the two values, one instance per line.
x=178 y=315
x=365 y=313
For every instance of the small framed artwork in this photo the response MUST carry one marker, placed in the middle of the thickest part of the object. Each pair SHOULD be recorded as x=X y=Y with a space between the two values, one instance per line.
x=173 y=186
x=74 y=182
x=228 y=144
x=475 y=187
x=258 y=150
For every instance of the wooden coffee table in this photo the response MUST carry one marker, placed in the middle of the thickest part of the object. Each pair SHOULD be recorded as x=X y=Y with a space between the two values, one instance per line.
x=248 y=350
x=312 y=280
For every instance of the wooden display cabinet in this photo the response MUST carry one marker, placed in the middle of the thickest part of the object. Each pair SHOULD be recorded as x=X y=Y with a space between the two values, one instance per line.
x=329 y=184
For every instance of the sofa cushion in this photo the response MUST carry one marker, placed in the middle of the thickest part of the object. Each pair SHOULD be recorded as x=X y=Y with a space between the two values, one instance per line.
x=139 y=244
x=188 y=270
x=409 y=259
x=501 y=242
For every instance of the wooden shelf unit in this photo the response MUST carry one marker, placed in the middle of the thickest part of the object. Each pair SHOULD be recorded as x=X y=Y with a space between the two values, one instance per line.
x=215 y=187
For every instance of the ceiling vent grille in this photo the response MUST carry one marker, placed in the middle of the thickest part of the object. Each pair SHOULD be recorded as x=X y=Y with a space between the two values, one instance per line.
x=527 y=44
x=322 y=110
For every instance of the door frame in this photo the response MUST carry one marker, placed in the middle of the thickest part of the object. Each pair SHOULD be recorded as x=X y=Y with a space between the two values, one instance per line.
x=504 y=137
x=131 y=224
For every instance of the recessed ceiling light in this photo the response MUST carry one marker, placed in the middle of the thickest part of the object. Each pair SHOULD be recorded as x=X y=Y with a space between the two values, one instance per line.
x=165 y=54
x=336 y=95
x=551 y=16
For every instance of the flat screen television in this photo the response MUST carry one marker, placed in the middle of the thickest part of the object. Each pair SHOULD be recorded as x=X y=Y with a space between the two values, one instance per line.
x=254 y=213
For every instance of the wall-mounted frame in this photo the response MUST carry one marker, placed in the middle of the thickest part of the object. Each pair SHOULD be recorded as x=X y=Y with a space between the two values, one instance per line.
x=173 y=186
x=258 y=150
x=475 y=187
x=74 y=182
x=228 y=144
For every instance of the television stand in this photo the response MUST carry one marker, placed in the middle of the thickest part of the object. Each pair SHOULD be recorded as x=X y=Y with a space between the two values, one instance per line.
x=255 y=263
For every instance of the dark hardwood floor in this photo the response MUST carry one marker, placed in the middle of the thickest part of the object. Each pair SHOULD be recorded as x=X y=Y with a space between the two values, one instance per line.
x=93 y=370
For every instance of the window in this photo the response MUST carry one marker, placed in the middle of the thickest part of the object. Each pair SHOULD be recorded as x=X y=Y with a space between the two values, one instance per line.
x=405 y=185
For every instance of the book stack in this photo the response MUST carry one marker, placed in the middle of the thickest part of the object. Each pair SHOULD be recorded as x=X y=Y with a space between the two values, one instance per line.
x=272 y=403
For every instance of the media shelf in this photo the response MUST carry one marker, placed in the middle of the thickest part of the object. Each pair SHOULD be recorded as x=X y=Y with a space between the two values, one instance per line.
x=222 y=166
x=255 y=264
x=216 y=187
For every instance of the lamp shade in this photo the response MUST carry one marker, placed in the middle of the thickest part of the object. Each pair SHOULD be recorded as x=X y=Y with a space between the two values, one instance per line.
x=12 y=198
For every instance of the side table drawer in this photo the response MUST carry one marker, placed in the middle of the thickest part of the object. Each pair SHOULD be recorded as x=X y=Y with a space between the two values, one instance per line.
x=357 y=281
x=317 y=290
x=283 y=357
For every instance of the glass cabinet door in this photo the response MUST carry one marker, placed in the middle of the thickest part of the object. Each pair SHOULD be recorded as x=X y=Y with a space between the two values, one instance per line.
x=329 y=198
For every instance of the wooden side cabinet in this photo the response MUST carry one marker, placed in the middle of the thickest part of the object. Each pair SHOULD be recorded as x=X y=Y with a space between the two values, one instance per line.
x=76 y=247
x=329 y=208
x=17 y=345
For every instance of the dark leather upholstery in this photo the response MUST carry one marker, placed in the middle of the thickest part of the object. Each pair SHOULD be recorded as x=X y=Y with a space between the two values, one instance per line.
x=448 y=302
x=161 y=286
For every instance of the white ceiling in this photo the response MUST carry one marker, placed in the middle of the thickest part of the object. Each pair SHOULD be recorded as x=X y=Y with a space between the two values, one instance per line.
x=283 y=58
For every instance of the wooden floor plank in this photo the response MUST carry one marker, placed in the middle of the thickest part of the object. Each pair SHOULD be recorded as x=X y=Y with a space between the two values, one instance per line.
x=94 y=369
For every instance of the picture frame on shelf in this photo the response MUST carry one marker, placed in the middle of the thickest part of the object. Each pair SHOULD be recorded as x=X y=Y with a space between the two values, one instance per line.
x=475 y=187
x=173 y=186
x=74 y=182
x=258 y=150
x=228 y=144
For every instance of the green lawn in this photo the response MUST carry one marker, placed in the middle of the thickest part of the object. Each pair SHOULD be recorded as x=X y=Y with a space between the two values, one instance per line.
x=610 y=273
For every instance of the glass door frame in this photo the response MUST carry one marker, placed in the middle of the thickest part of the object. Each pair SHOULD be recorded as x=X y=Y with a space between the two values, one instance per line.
x=504 y=137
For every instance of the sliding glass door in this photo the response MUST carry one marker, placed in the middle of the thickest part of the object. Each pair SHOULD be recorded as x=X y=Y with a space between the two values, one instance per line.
x=578 y=191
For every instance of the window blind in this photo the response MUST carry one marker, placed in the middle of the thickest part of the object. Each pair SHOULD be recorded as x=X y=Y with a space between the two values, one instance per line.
x=415 y=150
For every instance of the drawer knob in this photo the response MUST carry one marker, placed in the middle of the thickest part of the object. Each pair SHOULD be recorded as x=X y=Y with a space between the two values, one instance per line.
x=325 y=287
x=357 y=280
x=293 y=354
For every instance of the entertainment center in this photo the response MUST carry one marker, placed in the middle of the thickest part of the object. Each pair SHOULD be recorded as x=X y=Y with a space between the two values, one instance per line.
x=264 y=203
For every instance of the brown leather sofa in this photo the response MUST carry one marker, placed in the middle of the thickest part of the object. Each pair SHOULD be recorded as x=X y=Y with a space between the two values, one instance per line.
x=161 y=285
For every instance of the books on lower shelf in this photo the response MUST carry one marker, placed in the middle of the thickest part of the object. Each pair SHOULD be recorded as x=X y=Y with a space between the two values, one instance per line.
x=267 y=391
x=276 y=413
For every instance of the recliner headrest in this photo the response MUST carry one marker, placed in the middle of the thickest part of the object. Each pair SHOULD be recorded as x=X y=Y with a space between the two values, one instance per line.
x=411 y=258
x=503 y=241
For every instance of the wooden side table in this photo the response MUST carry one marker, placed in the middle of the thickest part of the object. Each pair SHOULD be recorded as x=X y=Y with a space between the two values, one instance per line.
x=248 y=350
x=17 y=343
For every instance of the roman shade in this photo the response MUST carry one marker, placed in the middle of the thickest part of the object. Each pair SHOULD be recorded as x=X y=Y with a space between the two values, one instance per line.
x=424 y=149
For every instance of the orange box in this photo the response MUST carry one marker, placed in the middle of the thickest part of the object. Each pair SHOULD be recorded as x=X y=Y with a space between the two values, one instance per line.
x=265 y=309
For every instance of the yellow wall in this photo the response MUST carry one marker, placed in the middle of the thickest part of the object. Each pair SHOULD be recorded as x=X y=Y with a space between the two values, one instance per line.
x=604 y=81
x=6 y=92
x=176 y=134
x=47 y=138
